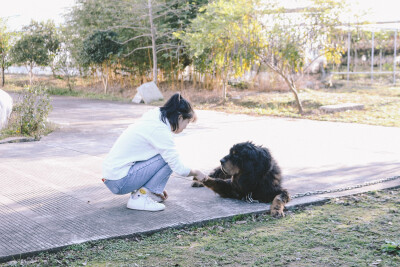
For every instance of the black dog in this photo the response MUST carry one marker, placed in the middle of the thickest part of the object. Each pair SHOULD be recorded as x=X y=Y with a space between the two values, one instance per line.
x=249 y=172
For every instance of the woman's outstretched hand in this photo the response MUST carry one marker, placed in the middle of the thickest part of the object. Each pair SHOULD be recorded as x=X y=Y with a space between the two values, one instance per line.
x=197 y=175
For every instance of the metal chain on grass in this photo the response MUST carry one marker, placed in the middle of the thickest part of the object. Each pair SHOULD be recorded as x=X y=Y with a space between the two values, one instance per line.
x=320 y=192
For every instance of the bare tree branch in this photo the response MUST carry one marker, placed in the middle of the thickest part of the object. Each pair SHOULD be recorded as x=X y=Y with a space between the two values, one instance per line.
x=127 y=27
x=134 y=38
x=136 y=49
x=167 y=48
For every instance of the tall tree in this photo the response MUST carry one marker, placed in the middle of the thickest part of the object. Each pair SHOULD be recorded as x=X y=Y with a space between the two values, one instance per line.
x=51 y=35
x=5 y=46
x=37 y=46
x=64 y=64
x=145 y=27
x=100 y=49
x=30 y=51
x=147 y=20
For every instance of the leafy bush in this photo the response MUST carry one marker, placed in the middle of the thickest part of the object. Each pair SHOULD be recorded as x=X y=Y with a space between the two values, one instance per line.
x=32 y=111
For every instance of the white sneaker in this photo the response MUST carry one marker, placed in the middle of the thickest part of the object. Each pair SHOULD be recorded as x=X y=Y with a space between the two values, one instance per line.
x=156 y=197
x=141 y=200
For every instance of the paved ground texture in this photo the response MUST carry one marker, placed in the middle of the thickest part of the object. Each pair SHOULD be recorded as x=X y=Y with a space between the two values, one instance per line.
x=51 y=194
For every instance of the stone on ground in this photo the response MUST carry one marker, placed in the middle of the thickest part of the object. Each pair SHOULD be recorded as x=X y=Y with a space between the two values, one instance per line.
x=147 y=92
x=341 y=107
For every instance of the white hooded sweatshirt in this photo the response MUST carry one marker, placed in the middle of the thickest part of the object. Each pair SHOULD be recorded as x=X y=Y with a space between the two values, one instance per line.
x=141 y=141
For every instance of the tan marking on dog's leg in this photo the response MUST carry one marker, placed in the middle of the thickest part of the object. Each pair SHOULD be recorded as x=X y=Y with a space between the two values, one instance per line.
x=277 y=207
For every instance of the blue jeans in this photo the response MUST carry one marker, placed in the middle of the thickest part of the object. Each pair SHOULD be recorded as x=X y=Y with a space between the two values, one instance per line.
x=152 y=174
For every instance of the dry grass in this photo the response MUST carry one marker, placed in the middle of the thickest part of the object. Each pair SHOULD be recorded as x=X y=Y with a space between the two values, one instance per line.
x=382 y=105
x=382 y=102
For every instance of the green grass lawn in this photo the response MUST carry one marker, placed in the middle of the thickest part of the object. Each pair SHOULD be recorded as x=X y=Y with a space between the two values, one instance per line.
x=350 y=231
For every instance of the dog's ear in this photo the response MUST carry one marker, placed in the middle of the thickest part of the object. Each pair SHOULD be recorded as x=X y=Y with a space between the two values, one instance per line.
x=244 y=155
x=249 y=172
x=247 y=159
x=248 y=153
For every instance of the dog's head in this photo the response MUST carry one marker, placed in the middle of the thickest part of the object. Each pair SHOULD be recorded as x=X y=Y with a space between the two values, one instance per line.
x=239 y=156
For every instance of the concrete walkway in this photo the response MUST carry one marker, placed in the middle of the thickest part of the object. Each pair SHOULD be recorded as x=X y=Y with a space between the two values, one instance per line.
x=51 y=194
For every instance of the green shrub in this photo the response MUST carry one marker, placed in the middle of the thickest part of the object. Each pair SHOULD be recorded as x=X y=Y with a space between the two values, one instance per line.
x=32 y=111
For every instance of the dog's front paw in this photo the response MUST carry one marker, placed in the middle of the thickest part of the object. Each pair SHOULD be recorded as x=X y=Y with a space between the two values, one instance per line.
x=277 y=207
x=197 y=184
x=277 y=213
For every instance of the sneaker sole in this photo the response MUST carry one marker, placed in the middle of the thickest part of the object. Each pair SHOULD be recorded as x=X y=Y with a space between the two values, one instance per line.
x=132 y=208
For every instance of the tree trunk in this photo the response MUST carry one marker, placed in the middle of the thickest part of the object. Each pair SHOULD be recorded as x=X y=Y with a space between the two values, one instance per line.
x=3 y=81
x=104 y=79
x=53 y=71
x=223 y=88
x=206 y=81
x=194 y=80
x=290 y=83
x=355 y=59
x=224 y=79
x=2 y=72
x=69 y=83
x=172 y=74
x=153 y=42
x=150 y=61
x=30 y=73
x=293 y=88
x=182 y=80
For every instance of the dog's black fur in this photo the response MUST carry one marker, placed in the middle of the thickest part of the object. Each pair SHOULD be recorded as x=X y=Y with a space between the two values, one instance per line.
x=249 y=171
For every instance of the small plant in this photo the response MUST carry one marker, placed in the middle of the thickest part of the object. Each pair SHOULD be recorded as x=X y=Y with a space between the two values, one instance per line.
x=238 y=217
x=239 y=84
x=391 y=247
x=32 y=111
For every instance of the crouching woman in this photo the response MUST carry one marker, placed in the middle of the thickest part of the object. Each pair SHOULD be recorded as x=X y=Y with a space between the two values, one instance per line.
x=144 y=156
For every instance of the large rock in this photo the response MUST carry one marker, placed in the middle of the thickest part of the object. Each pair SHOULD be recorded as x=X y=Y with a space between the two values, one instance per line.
x=6 y=104
x=147 y=92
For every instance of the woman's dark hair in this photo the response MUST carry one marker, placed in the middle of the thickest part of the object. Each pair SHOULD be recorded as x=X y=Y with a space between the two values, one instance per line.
x=174 y=107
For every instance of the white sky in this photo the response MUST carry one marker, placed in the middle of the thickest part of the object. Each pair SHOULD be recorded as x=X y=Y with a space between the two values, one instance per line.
x=21 y=12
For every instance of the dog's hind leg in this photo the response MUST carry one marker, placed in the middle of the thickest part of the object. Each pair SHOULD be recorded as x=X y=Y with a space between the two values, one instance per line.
x=278 y=204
